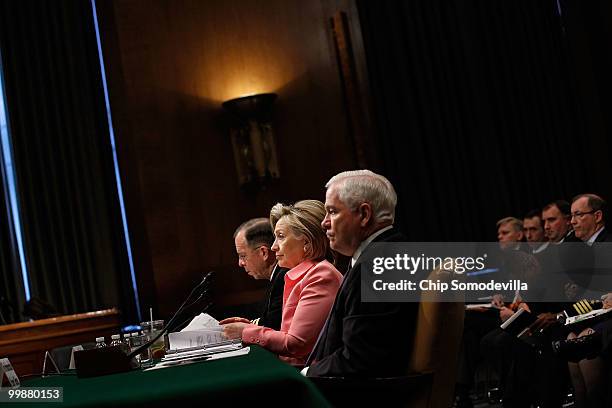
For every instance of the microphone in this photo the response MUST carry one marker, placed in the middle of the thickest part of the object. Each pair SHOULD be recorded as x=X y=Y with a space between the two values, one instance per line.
x=111 y=360
x=201 y=289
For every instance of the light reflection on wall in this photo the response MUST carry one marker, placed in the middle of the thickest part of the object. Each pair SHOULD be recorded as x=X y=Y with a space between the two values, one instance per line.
x=243 y=74
x=234 y=85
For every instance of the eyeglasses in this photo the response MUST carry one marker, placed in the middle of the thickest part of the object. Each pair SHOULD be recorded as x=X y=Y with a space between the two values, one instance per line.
x=579 y=214
x=244 y=257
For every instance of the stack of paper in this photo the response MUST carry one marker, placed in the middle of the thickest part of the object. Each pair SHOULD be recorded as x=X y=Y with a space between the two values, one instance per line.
x=201 y=331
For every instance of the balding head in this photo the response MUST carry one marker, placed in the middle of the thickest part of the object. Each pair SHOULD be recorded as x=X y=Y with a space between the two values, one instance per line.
x=588 y=215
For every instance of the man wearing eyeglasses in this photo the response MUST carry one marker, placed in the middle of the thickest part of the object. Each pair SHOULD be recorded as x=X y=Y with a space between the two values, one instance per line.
x=253 y=240
x=588 y=218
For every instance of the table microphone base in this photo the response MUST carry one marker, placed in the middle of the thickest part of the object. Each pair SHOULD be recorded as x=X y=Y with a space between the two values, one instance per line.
x=103 y=361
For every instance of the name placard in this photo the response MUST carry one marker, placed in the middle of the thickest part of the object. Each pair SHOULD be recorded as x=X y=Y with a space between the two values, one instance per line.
x=6 y=370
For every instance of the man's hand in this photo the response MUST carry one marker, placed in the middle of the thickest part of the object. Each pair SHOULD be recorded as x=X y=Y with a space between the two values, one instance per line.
x=498 y=301
x=505 y=313
x=544 y=321
x=521 y=305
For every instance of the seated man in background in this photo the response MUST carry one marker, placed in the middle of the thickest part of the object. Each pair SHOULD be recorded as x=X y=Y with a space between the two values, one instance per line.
x=253 y=240
x=510 y=233
x=556 y=217
x=533 y=229
x=588 y=218
x=541 y=373
x=483 y=325
x=588 y=375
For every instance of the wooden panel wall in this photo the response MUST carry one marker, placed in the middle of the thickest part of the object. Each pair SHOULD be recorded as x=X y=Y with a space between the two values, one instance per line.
x=25 y=343
x=170 y=64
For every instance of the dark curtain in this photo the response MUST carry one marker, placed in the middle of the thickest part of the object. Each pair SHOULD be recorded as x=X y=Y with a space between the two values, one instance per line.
x=480 y=112
x=11 y=288
x=74 y=243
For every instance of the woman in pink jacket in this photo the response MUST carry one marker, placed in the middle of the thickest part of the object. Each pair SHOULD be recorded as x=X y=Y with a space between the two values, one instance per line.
x=310 y=284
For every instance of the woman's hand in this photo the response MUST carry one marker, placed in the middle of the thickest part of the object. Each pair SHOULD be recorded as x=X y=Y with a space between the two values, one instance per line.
x=235 y=320
x=234 y=330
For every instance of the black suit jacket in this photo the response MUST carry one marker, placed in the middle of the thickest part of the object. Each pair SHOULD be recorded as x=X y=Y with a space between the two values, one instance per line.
x=363 y=339
x=579 y=267
x=273 y=311
x=603 y=236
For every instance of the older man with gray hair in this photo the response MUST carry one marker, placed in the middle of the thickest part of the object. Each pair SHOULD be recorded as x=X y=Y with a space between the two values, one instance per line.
x=509 y=233
x=354 y=342
x=253 y=240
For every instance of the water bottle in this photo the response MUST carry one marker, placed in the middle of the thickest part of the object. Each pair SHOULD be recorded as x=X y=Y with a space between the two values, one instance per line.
x=135 y=342
x=100 y=342
x=145 y=355
x=126 y=341
x=115 y=340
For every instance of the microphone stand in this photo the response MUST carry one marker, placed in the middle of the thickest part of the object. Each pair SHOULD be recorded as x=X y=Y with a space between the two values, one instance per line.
x=111 y=360
x=165 y=329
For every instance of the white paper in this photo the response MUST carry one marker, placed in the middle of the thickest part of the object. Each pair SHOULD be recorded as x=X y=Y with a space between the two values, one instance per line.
x=6 y=369
x=480 y=306
x=592 y=313
x=203 y=321
x=188 y=339
x=242 y=352
x=236 y=353
x=75 y=348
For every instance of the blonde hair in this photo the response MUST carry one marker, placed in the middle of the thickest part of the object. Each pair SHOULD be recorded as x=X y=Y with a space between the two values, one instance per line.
x=516 y=224
x=304 y=218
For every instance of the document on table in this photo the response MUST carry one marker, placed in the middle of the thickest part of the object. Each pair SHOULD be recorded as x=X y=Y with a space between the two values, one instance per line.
x=480 y=306
x=194 y=359
x=203 y=321
x=586 y=316
x=201 y=331
x=190 y=339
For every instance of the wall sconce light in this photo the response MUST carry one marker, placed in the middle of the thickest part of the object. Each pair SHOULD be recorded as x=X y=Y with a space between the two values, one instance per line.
x=253 y=138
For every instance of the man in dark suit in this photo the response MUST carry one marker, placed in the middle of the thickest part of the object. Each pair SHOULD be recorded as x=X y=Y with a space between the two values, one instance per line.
x=542 y=372
x=588 y=218
x=253 y=240
x=556 y=217
x=533 y=230
x=361 y=339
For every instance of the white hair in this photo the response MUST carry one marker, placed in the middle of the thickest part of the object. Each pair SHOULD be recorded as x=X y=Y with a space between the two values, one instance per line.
x=364 y=186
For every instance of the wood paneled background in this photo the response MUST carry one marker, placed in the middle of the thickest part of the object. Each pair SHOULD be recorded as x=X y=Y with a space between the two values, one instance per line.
x=170 y=64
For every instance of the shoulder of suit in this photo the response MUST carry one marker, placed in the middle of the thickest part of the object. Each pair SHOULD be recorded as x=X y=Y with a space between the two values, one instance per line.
x=282 y=271
x=604 y=235
x=324 y=267
x=392 y=235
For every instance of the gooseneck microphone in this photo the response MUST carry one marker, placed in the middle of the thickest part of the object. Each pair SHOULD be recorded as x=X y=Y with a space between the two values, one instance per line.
x=199 y=292
x=113 y=359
